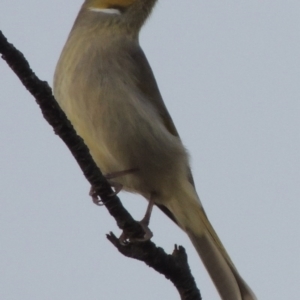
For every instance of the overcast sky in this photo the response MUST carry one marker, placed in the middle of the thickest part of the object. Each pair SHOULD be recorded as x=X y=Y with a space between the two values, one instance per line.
x=229 y=73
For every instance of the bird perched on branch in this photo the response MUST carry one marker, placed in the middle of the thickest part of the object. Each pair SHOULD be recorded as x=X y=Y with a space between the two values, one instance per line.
x=106 y=87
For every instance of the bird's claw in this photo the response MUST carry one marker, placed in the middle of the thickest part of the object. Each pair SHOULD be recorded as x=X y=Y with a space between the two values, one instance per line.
x=96 y=199
x=125 y=239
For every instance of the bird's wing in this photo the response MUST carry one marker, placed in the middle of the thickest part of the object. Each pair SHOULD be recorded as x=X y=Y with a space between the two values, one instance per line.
x=147 y=84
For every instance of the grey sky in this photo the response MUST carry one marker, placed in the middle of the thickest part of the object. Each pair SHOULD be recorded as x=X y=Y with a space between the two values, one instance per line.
x=229 y=73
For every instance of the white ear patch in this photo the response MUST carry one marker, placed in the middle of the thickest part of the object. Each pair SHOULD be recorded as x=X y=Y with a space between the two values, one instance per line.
x=110 y=11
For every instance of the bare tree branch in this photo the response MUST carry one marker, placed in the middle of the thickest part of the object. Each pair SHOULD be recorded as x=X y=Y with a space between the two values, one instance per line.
x=175 y=266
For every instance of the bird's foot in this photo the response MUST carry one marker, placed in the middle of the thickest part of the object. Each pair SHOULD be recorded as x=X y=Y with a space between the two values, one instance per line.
x=115 y=185
x=96 y=199
x=125 y=239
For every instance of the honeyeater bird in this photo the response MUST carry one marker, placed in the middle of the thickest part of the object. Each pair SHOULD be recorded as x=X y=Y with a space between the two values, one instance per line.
x=106 y=87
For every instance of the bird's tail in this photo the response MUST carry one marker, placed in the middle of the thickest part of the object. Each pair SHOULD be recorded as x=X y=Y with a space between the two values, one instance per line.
x=190 y=216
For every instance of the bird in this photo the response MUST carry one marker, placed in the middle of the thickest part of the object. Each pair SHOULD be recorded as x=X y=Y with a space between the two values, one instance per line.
x=106 y=87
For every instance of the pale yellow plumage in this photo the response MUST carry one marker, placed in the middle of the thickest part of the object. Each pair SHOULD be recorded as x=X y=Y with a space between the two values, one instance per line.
x=106 y=87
